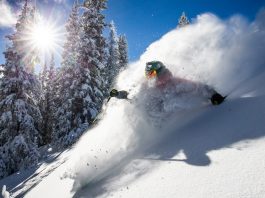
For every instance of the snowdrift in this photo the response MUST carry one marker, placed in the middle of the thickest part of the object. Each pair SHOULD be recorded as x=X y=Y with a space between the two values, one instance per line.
x=228 y=55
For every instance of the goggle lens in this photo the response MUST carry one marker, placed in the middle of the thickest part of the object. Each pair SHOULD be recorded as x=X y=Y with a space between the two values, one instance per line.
x=151 y=74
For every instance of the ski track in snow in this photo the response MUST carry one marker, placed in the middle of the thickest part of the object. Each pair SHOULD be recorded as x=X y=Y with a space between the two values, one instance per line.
x=22 y=182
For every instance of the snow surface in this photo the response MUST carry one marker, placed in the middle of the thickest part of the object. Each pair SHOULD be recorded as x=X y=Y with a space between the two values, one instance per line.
x=194 y=151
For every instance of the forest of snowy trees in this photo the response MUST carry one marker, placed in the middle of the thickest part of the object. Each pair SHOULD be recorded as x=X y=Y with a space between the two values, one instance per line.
x=56 y=106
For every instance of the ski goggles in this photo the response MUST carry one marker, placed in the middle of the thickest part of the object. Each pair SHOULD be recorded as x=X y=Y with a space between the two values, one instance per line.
x=150 y=74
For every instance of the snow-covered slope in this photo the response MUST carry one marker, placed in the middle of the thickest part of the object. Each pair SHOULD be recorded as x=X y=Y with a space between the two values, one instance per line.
x=194 y=151
x=219 y=153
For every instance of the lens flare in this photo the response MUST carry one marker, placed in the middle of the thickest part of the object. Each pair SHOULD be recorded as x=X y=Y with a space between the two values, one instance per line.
x=41 y=39
x=44 y=37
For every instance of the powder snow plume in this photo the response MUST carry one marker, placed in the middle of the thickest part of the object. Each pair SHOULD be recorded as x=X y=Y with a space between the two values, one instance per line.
x=223 y=54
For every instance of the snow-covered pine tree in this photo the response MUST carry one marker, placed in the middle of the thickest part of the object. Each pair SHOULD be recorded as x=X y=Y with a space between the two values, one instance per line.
x=47 y=105
x=43 y=75
x=97 y=21
x=19 y=113
x=31 y=55
x=80 y=84
x=113 y=66
x=183 y=20
x=88 y=83
x=63 y=84
x=123 y=52
x=42 y=102
x=96 y=7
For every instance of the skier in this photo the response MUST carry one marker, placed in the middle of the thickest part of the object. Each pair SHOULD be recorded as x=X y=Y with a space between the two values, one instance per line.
x=163 y=79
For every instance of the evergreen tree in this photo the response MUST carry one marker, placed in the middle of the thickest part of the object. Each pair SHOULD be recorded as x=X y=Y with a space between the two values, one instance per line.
x=84 y=97
x=94 y=18
x=48 y=102
x=113 y=66
x=43 y=75
x=80 y=82
x=93 y=9
x=123 y=52
x=183 y=20
x=88 y=84
x=19 y=114
x=63 y=84
x=42 y=103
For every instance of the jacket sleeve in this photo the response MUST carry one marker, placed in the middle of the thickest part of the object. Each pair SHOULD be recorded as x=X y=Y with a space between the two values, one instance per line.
x=188 y=86
x=123 y=95
x=206 y=90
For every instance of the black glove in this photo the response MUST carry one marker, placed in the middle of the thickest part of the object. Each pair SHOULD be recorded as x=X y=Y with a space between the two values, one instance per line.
x=217 y=98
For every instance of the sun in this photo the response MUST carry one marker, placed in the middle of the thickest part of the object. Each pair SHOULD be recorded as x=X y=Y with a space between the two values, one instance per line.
x=43 y=37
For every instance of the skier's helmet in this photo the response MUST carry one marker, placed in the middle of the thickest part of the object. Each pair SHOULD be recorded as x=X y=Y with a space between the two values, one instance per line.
x=153 y=68
x=113 y=93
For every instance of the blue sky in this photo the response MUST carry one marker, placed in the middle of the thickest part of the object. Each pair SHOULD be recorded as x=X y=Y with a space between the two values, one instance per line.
x=144 y=21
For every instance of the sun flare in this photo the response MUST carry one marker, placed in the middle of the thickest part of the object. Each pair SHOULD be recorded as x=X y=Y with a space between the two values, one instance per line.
x=43 y=37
